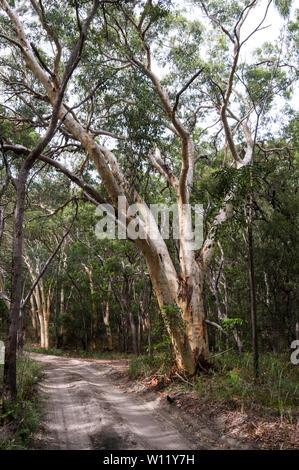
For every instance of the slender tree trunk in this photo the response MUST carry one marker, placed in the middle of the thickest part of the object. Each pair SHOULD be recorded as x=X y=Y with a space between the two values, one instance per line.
x=149 y=334
x=21 y=330
x=252 y=283
x=106 y=319
x=123 y=300
x=45 y=312
x=133 y=331
x=60 y=333
x=94 y=317
x=125 y=333
x=146 y=316
x=40 y=315
x=220 y=313
x=139 y=333
x=47 y=338
x=33 y=318
x=9 y=377
x=46 y=316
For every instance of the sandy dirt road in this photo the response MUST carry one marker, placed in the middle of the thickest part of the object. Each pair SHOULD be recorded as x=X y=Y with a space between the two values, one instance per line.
x=85 y=410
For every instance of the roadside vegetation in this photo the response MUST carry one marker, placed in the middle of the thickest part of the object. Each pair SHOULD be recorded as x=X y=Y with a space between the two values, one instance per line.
x=230 y=382
x=21 y=416
x=78 y=353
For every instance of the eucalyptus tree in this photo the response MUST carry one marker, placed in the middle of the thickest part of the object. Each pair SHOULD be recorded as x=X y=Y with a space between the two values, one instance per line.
x=155 y=124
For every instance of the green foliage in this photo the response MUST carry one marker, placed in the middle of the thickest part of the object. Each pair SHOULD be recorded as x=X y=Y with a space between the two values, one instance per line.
x=173 y=316
x=284 y=7
x=231 y=323
x=143 y=366
x=232 y=382
x=80 y=353
x=276 y=390
x=24 y=413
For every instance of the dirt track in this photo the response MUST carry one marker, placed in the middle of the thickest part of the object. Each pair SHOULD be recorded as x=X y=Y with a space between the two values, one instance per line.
x=85 y=410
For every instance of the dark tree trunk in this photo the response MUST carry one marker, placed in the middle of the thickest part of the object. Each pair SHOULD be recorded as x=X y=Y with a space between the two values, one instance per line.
x=134 y=331
x=9 y=377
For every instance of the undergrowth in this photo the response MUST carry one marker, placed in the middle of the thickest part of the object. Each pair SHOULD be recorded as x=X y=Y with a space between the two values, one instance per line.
x=231 y=381
x=22 y=415
x=78 y=353
x=143 y=366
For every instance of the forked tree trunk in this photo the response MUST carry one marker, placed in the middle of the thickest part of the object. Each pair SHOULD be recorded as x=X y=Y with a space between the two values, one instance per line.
x=43 y=304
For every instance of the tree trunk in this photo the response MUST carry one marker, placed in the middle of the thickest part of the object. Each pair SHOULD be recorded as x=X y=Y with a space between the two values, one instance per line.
x=94 y=317
x=46 y=333
x=9 y=377
x=106 y=319
x=252 y=284
x=214 y=281
x=133 y=331
x=139 y=333
x=60 y=330
x=145 y=317
x=183 y=313
x=21 y=330
x=33 y=318
x=40 y=315
x=149 y=334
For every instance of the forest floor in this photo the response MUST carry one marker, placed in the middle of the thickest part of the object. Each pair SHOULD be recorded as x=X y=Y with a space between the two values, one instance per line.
x=90 y=404
x=95 y=404
x=225 y=424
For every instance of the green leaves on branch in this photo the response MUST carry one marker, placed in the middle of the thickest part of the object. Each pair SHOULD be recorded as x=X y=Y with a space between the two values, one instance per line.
x=284 y=7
